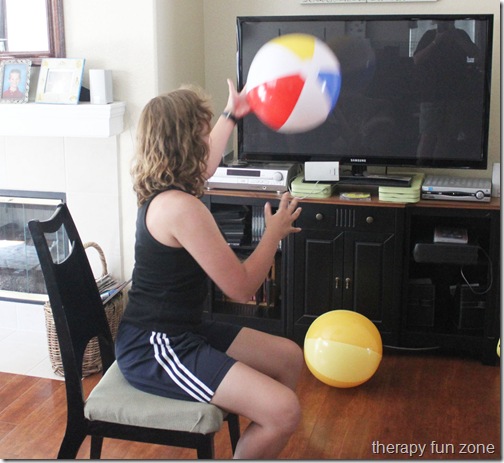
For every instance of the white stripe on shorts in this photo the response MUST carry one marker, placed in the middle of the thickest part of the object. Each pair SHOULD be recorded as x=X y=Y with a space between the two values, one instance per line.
x=168 y=359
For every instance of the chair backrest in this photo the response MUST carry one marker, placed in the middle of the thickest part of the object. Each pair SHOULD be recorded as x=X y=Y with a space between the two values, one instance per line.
x=77 y=309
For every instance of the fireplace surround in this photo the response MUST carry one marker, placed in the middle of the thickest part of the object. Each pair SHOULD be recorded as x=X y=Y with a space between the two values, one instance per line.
x=75 y=150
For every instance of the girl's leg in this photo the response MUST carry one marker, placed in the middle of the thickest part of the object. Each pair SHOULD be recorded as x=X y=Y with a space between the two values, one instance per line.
x=272 y=407
x=261 y=387
x=279 y=358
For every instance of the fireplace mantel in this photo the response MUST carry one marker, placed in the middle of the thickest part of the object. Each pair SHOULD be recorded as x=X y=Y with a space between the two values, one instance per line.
x=51 y=120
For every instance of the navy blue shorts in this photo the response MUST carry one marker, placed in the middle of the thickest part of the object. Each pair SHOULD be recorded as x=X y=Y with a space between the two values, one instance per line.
x=189 y=366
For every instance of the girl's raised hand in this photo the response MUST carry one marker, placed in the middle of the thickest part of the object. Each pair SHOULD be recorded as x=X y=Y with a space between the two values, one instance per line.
x=237 y=102
x=281 y=223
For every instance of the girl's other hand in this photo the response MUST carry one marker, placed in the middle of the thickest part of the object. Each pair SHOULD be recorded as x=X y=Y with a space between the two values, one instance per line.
x=281 y=223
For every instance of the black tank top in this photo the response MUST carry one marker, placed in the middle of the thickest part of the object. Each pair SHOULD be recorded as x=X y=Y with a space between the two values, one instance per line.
x=169 y=288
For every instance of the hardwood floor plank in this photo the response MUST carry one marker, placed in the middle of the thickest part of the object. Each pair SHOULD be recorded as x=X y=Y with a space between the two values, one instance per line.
x=39 y=433
x=440 y=403
x=5 y=429
x=12 y=386
x=28 y=400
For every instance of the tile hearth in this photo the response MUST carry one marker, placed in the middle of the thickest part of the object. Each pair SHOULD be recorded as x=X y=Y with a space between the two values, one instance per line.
x=25 y=352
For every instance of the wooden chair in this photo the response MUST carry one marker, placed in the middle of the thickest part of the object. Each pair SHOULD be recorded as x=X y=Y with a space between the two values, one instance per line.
x=113 y=409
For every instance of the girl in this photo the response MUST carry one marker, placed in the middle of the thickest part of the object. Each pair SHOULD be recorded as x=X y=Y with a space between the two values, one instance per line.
x=164 y=346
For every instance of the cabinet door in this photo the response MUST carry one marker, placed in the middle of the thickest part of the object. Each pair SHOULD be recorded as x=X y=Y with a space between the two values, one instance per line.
x=317 y=278
x=368 y=276
x=343 y=270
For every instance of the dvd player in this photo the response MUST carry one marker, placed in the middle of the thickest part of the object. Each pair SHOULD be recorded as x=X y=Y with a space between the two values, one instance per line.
x=456 y=188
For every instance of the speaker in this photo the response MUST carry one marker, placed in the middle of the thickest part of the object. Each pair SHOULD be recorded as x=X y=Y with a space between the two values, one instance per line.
x=446 y=253
x=100 y=86
x=320 y=171
x=496 y=175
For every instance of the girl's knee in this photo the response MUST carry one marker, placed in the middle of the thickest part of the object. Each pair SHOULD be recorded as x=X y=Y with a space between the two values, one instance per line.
x=293 y=417
x=287 y=413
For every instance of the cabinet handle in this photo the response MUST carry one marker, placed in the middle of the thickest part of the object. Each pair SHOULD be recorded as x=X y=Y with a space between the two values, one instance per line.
x=369 y=219
x=336 y=282
x=347 y=283
x=319 y=216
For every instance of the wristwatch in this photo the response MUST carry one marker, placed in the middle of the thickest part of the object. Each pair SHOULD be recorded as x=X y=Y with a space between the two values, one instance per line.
x=230 y=115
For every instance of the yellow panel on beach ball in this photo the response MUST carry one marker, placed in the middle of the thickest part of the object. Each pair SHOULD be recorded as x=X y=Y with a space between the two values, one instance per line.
x=343 y=348
x=340 y=365
x=347 y=327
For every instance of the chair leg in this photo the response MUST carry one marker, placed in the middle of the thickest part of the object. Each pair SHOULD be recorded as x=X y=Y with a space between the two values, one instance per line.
x=205 y=448
x=71 y=444
x=96 y=447
x=234 y=429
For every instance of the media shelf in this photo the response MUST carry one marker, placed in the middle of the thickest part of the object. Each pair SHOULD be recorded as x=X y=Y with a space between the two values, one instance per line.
x=264 y=304
x=360 y=255
x=452 y=298
x=241 y=221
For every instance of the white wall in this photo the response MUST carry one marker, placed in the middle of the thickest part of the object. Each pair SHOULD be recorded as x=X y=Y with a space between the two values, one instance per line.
x=180 y=38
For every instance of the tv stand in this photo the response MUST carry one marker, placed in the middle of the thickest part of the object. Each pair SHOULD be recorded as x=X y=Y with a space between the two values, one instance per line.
x=360 y=256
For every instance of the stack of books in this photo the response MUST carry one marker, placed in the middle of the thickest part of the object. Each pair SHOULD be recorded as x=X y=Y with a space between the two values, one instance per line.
x=232 y=221
x=399 y=194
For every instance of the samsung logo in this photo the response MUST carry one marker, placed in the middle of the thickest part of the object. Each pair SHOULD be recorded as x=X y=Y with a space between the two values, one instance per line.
x=358 y=160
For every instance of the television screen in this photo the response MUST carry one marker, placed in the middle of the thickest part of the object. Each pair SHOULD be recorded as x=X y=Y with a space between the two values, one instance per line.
x=415 y=91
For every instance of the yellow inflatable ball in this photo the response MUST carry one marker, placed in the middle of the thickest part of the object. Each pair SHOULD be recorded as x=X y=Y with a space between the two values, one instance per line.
x=343 y=348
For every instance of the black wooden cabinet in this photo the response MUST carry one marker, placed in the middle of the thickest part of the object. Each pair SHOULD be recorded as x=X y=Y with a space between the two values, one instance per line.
x=361 y=256
x=346 y=257
x=451 y=296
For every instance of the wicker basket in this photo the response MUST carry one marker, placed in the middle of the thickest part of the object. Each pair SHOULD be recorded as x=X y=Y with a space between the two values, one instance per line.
x=113 y=309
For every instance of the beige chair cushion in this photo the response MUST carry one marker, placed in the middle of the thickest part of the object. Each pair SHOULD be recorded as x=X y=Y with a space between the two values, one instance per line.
x=114 y=400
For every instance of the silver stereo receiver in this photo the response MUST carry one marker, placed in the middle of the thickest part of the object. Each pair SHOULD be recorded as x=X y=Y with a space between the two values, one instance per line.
x=263 y=177
x=456 y=188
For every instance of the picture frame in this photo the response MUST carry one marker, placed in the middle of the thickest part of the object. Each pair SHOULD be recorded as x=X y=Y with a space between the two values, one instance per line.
x=15 y=80
x=60 y=80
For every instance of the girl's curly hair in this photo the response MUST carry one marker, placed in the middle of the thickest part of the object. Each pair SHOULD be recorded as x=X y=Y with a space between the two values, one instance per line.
x=172 y=144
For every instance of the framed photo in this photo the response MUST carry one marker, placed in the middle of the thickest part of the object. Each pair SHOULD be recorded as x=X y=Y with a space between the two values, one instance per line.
x=15 y=80
x=60 y=80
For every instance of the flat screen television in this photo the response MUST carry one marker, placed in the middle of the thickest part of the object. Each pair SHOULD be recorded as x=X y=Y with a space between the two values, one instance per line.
x=415 y=91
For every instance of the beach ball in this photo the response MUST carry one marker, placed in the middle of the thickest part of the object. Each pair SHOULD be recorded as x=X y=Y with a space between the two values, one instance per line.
x=293 y=83
x=343 y=348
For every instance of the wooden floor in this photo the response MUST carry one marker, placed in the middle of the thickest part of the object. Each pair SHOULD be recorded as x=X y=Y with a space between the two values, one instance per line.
x=433 y=406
